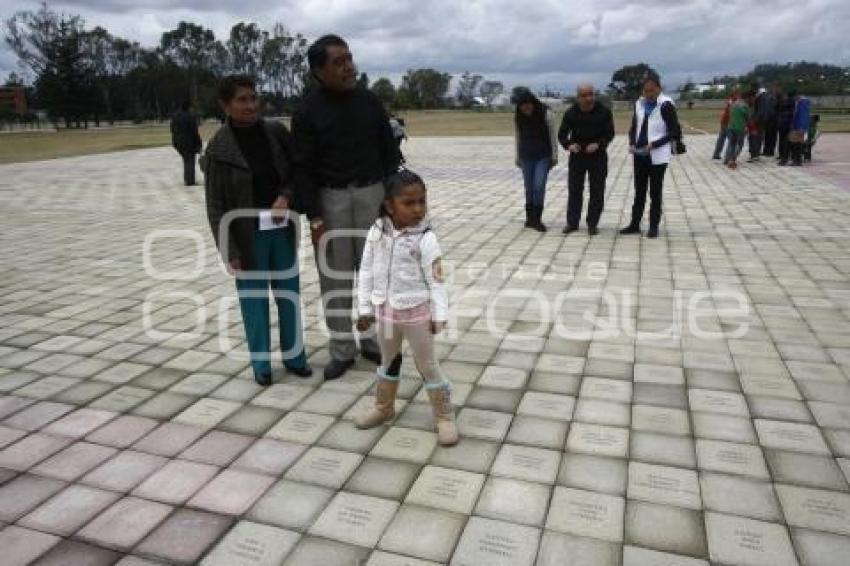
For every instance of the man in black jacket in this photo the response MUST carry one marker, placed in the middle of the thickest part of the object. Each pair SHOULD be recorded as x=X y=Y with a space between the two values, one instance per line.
x=344 y=149
x=586 y=130
x=186 y=140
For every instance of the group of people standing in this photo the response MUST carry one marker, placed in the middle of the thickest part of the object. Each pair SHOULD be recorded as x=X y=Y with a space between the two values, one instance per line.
x=368 y=220
x=772 y=122
x=586 y=130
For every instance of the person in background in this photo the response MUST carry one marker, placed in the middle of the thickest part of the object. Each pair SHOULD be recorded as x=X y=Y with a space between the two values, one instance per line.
x=536 y=153
x=654 y=131
x=756 y=125
x=739 y=117
x=186 y=139
x=811 y=137
x=784 y=117
x=800 y=123
x=248 y=172
x=724 y=124
x=586 y=130
x=770 y=106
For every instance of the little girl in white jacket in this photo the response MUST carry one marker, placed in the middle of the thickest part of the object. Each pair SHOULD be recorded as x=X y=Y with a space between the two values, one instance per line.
x=400 y=284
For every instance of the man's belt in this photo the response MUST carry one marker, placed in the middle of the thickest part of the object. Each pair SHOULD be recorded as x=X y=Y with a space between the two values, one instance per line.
x=355 y=183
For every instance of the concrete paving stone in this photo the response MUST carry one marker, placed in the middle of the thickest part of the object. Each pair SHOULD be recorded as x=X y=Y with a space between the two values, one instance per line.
x=15 y=380
x=734 y=495
x=169 y=439
x=125 y=524
x=218 y=448
x=291 y=505
x=252 y=544
x=526 y=463
x=301 y=427
x=67 y=511
x=380 y=558
x=314 y=550
x=184 y=536
x=598 y=439
x=794 y=437
x=38 y=415
x=11 y=404
x=543 y=433
x=343 y=435
x=555 y=383
x=503 y=378
x=24 y=493
x=73 y=552
x=555 y=547
x=820 y=549
x=436 y=531
x=514 y=501
x=74 y=461
x=136 y=561
x=594 y=411
x=662 y=449
x=267 y=456
x=84 y=393
x=722 y=402
x=486 y=425
x=715 y=426
x=232 y=492
x=838 y=441
x=122 y=399
x=596 y=473
x=23 y=546
x=770 y=386
x=207 y=412
x=816 y=509
x=324 y=467
x=122 y=431
x=661 y=420
x=175 y=482
x=738 y=540
x=389 y=479
x=198 y=384
x=664 y=485
x=598 y=367
x=636 y=556
x=445 y=488
x=731 y=458
x=355 y=519
x=159 y=378
x=665 y=528
x=163 y=406
x=125 y=471
x=667 y=375
x=774 y=408
x=469 y=454
x=805 y=470
x=406 y=444
x=251 y=420
x=495 y=542
x=713 y=380
x=613 y=390
x=79 y=423
x=122 y=373
x=661 y=395
x=586 y=513
x=30 y=450
x=830 y=415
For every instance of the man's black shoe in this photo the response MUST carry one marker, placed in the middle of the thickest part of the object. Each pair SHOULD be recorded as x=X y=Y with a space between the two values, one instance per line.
x=305 y=371
x=653 y=232
x=264 y=379
x=592 y=230
x=630 y=229
x=374 y=357
x=569 y=229
x=336 y=368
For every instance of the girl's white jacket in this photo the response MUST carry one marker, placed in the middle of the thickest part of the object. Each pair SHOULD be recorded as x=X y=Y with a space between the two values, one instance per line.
x=397 y=266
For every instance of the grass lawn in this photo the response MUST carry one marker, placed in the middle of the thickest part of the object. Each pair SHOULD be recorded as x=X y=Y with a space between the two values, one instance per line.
x=68 y=143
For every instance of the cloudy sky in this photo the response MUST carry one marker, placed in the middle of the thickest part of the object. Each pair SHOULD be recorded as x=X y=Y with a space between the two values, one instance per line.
x=555 y=43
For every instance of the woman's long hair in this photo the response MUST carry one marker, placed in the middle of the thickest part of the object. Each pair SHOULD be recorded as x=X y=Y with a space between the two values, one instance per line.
x=538 y=116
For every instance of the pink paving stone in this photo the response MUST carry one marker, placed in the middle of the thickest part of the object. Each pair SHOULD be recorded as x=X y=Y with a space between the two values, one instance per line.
x=184 y=536
x=176 y=482
x=22 y=546
x=25 y=493
x=74 y=461
x=125 y=524
x=29 y=451
x=218 y=448
x=80 y=423
x=269 y=456
x=232 y=492
x=71 y=552
x=123 y=431
x=124 y=472
x=66 y=512
x=10 y=435
x=12 y=404
x=36 y=416
x=169 y=439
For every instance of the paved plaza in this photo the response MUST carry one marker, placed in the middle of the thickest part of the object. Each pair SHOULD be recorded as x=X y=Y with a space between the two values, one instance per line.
x=621 y=401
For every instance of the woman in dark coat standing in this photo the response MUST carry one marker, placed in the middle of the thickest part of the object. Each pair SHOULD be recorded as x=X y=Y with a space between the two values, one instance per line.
x=536 y=153
x=250 y=203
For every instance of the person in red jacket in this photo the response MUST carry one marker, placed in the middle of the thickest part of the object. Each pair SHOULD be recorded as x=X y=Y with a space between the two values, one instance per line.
x=724 y=123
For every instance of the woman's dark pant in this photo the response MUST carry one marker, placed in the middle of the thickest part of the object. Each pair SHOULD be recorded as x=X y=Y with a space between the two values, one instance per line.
x=718 y=146
x=535 y=172
x=188 y=167
x=276 y=268
x=595 y=167
x=784 y=145
x=648 y=176
x=769 y=140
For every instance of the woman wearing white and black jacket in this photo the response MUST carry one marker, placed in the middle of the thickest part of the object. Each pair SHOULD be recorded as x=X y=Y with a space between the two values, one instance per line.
x=536 y=153
x=652 y=137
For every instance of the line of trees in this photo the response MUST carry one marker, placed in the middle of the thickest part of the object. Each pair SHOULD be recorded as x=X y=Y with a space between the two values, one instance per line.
x=81 y=75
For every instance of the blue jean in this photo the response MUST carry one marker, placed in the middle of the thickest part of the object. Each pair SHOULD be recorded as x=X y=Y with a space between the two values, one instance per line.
x=721 y=139
x=734 y=145
x=535 y=172
x=274 y=251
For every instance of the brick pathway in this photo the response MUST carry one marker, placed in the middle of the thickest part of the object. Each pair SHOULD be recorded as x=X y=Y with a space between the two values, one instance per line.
x=622 y=401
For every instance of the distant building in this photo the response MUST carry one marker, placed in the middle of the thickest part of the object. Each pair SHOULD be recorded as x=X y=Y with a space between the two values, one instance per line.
x=13 y=99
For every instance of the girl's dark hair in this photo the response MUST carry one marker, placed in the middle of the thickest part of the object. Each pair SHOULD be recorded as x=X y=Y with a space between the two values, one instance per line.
x=652 y=77
x=524 y=97
x=394 y=184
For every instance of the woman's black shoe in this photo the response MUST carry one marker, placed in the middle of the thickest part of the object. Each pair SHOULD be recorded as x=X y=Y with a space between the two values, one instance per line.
x=653 y=232
x=264 y=379
x=336 y=368
x=306 y=371
x=630 y=229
